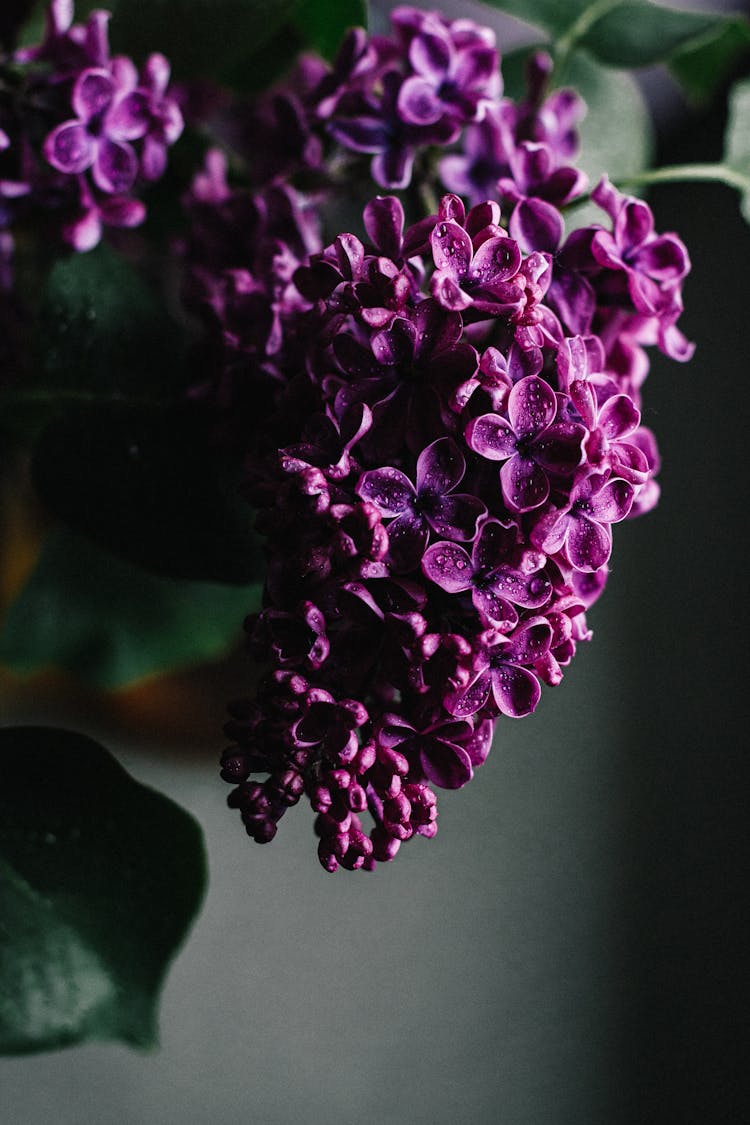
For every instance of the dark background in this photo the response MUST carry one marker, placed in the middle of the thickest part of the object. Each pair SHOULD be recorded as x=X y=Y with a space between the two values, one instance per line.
x=571 y=948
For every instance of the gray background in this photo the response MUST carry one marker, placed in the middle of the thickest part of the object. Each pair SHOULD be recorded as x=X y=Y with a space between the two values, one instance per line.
x=570 y=948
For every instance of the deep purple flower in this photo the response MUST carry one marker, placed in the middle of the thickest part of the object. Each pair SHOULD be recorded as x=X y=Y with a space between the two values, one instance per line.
x=530 y=442
x=504 y=676
x=582 y=528
x=497 y=584
x=91 y=139
x=431 y=504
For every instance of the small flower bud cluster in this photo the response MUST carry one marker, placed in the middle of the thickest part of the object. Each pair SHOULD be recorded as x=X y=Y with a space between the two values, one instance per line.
x=441 y=421
x=81 y=131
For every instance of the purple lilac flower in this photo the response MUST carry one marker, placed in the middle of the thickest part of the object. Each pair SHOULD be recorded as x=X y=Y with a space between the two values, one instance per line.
x=374 y=386
x=106 y=130
x=529 y=441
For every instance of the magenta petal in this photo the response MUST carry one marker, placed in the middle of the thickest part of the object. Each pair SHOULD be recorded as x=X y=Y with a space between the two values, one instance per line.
x=449 y=566
x=559 y=449
x=388 y=489
x=130 y=118
x=418 y=103
x=444 y=763
x=69 y=148
x=430 y=55
x=634 y=224
x=524 y=483
x=455 y=516
x=446 y=290
x=618 y=417
x=497 y=609
x=516 y=690
x=531 y=406
x=408 y=536
x=384 y=223
x=613 y=502
x=589 y=543
x=119 y=211
x=537 y=225
x=451 y=250
x=440 y=466
x=153 y=159
x=115 y=167
x=531 y=641
x=480 y=743
x=468 y=700
x=491 y=436
x=493 y=545
x=496 y=260
x=92 y=93
x=85 y=233
x=664 y=259
x=527 y=590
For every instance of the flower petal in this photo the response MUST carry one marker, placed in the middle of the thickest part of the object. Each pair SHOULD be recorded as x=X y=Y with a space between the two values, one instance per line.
x=589 y=543
x=70 y=148
x=531 y=406
x=516 y=690
x=491 y=436
x=524 y=483
x=440 y=466
x=451 y=250
x=115 y=167
x=92 y=94
x=444 y=763
x=388 y=489
x=448 y=566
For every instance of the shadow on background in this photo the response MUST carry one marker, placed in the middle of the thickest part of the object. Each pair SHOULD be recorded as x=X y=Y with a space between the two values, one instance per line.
x=689 y=768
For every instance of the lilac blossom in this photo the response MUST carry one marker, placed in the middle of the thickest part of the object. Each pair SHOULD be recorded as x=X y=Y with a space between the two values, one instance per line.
x=104 y=129
x=431 y=504
x=440 y=419
x=529 y=441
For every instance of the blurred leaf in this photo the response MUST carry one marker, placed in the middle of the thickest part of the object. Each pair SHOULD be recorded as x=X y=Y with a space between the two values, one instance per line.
x=637 y=33
x=110 y=623
x=323 y=25
x=610 y=97
x=101 y=328
x=100 y=879
x=151 y=486
x=700 y=47
x=737 y=141
x=555 y=16
x=13 y=14
x=702 y=66
x=201 y=38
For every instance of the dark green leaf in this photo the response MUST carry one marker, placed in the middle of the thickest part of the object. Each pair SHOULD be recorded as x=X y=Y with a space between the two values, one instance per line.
x=322 y=26
x=703 y=65
x=100 y=879
x=201 y=38
x=153 y=487
x=101 y=328
x=619 y=149
x=13 y=14
x=111 y=623
x=554 y=16
x=637 y=33
x=737 y=141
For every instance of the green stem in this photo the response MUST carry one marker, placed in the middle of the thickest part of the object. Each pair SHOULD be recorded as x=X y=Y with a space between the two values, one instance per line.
x=682 y=173
x=577 y=31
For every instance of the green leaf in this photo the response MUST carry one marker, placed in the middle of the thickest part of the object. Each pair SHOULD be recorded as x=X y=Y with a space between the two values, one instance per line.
x=637 y=33
x=700 y=47
x=100 y=879
x=110 y=623
x=702 y=66
x=151 y=486
x=554 y=16
x=100 y=328
x=610 y=97
x=323 y=25
x=201 y=38
x=737 y=141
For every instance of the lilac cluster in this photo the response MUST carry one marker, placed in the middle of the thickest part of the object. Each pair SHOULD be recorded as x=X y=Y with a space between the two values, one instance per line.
x=81 y=130
x=441 y=421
